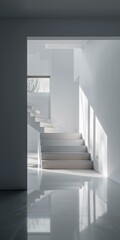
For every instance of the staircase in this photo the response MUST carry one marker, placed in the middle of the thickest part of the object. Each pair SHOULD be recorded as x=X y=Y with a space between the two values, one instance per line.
x=40 y=122
x=59 y=150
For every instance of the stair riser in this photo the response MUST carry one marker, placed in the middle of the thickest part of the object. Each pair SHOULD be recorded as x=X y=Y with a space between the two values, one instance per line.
x=34 y=111
x=46 y=125
x=61 y=136
x=38 y=115
x=34 y=124
x=76 y=164
x=62 y=142
x=42 y=120
x=63 y=148
x=65 y=156
x=51 y=130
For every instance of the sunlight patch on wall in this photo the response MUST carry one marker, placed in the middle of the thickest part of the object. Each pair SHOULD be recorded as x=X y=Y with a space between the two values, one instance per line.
x=100 y=148
x=93 y=134
x=83 y=115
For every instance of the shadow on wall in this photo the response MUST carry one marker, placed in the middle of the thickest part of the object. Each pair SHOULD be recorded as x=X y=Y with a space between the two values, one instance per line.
x=93 y=133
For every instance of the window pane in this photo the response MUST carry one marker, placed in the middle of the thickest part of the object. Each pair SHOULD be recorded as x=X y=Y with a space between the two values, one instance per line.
x=38 y=225
x=38 y=84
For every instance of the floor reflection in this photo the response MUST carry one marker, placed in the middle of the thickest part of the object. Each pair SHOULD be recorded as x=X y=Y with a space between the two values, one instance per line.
x=60 y=205
x=13 y=215
x=72 y=206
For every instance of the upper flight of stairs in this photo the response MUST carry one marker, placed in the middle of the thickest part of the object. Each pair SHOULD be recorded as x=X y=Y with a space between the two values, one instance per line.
x=59 y=150
x=40 y=122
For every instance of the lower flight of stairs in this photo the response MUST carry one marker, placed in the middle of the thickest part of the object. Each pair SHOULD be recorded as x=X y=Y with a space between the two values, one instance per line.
x=64 y=151
x=59 y=150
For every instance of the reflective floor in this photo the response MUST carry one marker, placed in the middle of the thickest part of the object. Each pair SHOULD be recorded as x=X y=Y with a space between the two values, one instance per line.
x=62 y=205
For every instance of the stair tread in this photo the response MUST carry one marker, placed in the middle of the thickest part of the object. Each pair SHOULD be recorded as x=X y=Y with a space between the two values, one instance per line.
x=42 y=120
x=61 y=136
x=65 y=164
x=64 y=149
x=68 y=133
x=65 y=146
x=77 y=140
x=65 y=155
x=57 y=160
x=62 y=142
x=65 y=152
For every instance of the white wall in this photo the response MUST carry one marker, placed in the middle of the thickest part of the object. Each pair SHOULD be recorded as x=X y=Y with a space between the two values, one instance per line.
x=64 y=92
x=38 y=58
x=99 y=74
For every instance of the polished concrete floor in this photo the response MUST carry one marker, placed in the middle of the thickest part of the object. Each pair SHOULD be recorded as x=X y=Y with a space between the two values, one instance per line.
x=62 y=205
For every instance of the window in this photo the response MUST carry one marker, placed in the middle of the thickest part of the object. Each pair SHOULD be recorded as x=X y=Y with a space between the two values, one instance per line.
x=38 y=225
x=36 y=84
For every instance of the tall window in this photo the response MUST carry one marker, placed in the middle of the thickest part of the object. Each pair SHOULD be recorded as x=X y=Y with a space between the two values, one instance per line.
x=38 y=84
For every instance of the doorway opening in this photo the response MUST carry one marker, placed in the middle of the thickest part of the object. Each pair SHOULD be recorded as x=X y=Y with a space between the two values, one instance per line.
x=58 y=103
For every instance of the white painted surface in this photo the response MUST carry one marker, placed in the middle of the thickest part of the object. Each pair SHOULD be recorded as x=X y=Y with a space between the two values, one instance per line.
x=99 y=74
x=64 y=92
x=38 y=59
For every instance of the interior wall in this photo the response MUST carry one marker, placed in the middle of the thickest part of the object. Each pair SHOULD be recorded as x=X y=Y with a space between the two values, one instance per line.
x=13 y=102
x=38 y=59
x=64 y=92
x=13 y=74
x=99 y=74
